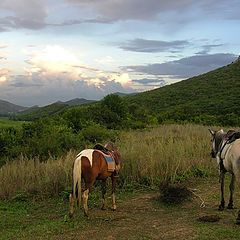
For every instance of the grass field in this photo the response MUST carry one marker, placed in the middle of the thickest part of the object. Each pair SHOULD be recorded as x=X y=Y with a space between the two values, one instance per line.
x=34 y=194
x=5 y=122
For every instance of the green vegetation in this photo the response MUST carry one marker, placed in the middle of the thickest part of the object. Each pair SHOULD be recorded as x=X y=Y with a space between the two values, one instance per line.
x=149 y=157
x=211 y=98
x=6 y=123
x=35 y=113
x=75 y=128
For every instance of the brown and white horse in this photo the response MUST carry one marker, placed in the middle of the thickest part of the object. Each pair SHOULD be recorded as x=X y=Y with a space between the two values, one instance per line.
x=91 y=165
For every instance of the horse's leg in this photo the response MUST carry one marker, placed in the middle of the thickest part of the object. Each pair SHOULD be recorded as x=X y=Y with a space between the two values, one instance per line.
x=88 y=189
x=71 y=202
x=114 y=181
x=222 y=176
x=231 y=188
x=104 y=181
x=238 y=218
x=85 y=198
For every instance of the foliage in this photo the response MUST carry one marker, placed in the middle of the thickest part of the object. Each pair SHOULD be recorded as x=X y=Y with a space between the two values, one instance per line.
x=74 y=128
x=210 y=98
x=148 y=157
x=35 y=113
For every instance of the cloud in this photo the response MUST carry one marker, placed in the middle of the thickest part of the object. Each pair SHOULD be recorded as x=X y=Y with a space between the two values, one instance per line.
x=131 y=10
x=183 y=11
x=39 y=14
x=54 y=73
x=147 y=81
x=186 y=67
x=105 y=60
x=23 y=14
x=153 y=46
x=207 y=48
x=3 y=74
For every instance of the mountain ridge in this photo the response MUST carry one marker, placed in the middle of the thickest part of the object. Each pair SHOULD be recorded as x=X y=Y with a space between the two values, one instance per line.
x=8 y=107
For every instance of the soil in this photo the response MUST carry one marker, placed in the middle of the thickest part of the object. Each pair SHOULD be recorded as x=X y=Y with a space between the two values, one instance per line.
x=145 y=217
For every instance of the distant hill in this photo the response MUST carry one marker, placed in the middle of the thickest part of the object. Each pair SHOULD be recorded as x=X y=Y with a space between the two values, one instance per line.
x=124 y=94
x=77 y=101
x=213 y=93
x=35 y=112
x=7 y=107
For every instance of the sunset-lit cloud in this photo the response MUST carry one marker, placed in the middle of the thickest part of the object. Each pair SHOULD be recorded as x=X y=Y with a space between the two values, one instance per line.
x=54 y=60
x=3 y=74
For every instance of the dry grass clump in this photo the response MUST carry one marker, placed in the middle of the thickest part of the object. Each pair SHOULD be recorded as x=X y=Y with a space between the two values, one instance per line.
x=35 y=177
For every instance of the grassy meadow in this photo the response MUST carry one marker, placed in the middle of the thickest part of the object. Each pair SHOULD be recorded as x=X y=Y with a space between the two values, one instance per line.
x=165 y=154
x=34 y=194
x=6 y=123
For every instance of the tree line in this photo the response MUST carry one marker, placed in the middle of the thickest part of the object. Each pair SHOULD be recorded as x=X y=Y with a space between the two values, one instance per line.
x=75 y=128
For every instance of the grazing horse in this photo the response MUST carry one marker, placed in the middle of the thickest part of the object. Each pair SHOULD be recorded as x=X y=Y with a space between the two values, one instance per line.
x=226 y=149
x=91 y=164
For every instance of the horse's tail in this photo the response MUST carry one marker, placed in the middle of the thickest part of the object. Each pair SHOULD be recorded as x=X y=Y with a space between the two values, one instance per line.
x=76 y=184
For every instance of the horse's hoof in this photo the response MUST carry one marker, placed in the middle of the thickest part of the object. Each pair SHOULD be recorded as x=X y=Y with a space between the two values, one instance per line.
x=238 y=221
x=87 y=216
x=103 y=208
x=230 y=207
x=70 y=215
x=113 y=208
x=220 y=208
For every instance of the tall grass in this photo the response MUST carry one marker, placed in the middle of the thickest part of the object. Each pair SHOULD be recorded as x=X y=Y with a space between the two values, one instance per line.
x=35 y=177
x=167 y=153
x=161 y=154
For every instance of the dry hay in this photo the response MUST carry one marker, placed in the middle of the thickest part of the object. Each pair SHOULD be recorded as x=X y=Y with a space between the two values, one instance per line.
x=209 y=218
x=174 y=194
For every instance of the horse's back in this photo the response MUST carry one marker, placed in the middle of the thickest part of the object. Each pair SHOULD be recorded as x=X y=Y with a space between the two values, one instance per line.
x=93 y=162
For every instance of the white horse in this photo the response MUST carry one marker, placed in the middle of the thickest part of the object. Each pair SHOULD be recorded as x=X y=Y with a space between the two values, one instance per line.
x=227 y=153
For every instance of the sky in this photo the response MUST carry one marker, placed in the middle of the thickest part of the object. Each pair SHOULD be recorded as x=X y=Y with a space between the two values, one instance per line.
x=57 y=50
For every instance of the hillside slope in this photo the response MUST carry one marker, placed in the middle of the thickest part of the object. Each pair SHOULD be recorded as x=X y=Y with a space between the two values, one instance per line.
x=77 y=102
x=214 y=93
x=35 y=113
x=7 y=107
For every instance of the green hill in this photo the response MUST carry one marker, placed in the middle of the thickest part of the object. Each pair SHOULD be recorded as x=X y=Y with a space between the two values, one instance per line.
x=124 y=94
x=7 y=107
x=216 y=93
x=35 y=112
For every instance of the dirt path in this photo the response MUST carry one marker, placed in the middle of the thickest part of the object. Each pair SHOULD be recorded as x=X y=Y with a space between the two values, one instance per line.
x=144 y=218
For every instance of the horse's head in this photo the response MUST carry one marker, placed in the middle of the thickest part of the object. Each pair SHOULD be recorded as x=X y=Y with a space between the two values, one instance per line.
x=217 y=137
x=115 y=152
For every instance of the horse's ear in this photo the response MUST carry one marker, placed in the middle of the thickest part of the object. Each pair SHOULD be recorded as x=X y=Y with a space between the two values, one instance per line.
x=211 y=131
